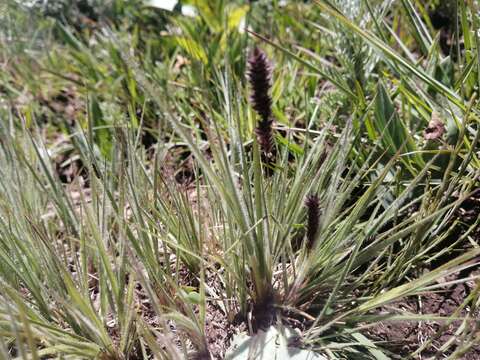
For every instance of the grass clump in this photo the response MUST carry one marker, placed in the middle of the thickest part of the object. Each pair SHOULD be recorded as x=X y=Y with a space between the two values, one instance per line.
x=166 y=190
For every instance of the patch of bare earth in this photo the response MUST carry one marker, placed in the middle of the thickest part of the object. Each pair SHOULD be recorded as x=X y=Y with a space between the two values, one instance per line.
x=434 y=339
x=219 y=331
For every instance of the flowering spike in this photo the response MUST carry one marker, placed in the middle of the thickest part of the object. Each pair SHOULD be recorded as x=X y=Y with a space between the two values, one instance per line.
x=312 y=203
x=264 y=134
x=259 y=75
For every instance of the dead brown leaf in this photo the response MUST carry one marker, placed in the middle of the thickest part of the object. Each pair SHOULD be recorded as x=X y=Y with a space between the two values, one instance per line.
x=435 y=128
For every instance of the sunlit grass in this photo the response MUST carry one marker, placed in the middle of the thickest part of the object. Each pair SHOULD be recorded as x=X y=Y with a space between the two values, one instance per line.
x=156 y=232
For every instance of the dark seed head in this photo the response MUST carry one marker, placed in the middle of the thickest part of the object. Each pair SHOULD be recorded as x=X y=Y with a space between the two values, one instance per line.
x=259 y=75
x=312 y=203
x=264 y=134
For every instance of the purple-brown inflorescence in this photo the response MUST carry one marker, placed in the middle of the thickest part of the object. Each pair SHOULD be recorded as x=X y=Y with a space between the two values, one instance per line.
x=264 y=134
x=259 y=75
x=312 y=203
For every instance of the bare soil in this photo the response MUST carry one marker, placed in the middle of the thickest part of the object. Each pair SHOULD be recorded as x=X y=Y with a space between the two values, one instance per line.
x=432 y=339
